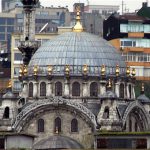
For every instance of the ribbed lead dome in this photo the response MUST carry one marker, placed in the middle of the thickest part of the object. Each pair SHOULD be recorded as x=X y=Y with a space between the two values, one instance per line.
x=76 y=49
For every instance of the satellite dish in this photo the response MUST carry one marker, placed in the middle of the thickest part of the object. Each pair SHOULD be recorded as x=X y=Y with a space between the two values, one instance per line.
x=43 y=27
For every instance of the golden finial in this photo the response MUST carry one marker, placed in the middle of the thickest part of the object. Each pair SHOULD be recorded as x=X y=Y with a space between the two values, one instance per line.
x=103 y=70
x=109 y=84
x=133 y=72
x=85 y=69
x=35 y=70
x=67 y=69
x=25 y=70
x=50 y=70
x=20 y=72
x=128 y=71
x=78 y=26
x=117 y=70
x=9 y=84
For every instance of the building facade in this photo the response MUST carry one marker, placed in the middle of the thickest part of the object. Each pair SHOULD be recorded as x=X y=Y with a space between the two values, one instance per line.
x=130 y=35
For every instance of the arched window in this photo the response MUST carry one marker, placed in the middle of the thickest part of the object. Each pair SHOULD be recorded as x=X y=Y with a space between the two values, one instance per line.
x=43 y=89
x=130 y=93
x=74 y=125
x=6 y=113
x=121 y=90
x=75 y=89
x=106 y=113
x=57 y=127
x=94 y=89
x=58 y=89
x=30 y=89
x=40 y=125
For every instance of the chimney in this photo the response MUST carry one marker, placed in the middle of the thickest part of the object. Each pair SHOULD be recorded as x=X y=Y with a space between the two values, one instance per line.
x=144 y=4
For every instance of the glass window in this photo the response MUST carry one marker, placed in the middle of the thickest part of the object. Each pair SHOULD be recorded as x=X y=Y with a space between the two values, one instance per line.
x=17 y=86
x=18 y=57
x=17 y=42
x=20 y=20
x=94 y=89
x=10 y=21
x=6 y=113
x=43 y=89
x=2 y=37
x=40 y=125
x=16 y=71
x=75 y=89
x=57 y=125
x=106 y=113
x=121 y=90
x=74 y=125
x=2 y=28
x=58 y=89
x=3 y=21
x=124 y=28
x=10 y=29
x=30 y=89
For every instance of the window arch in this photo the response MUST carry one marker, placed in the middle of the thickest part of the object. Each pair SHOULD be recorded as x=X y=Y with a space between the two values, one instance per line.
x=94 y=89
x=106 y=113
x=57 y=127
x=74 y=125
x=75 y=89
x=58 y=89
x=43 y=89
x=121 y=90
x=6 y=113
x=40 y=125
x=30 y=89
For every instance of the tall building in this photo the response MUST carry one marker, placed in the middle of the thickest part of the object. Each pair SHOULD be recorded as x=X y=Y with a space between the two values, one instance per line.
x=130 y=34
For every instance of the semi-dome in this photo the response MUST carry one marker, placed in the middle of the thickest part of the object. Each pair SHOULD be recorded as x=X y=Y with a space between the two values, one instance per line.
x=76 y=49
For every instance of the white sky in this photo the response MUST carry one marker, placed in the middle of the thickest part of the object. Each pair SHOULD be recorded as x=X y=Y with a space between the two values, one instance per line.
x=129 y=4
x=132 y=5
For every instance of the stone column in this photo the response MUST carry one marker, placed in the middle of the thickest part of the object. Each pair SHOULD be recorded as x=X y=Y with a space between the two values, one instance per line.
x=66 y=88
x=133 y=91
x=35 y=89
x=127 y=88
x=24 y=90
x=102 y=87
x=85 y=89
x=117 y=85
x=49 y=89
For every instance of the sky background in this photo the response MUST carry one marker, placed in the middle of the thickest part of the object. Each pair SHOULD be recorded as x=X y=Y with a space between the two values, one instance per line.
x=130 y=5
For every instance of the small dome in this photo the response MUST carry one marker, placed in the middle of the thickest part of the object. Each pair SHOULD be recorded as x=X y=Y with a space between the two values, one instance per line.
x=8 y=95
x=58 y=142
x=143 y=98
x=76 y=49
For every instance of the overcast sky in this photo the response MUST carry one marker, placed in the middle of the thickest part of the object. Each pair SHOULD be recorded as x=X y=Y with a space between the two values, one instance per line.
x=128 y=4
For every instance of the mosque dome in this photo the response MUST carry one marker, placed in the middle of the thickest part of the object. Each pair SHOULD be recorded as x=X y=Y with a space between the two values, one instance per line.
x=76 y=49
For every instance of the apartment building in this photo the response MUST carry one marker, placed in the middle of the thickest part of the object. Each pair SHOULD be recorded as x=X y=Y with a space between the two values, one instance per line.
x=130 y=34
